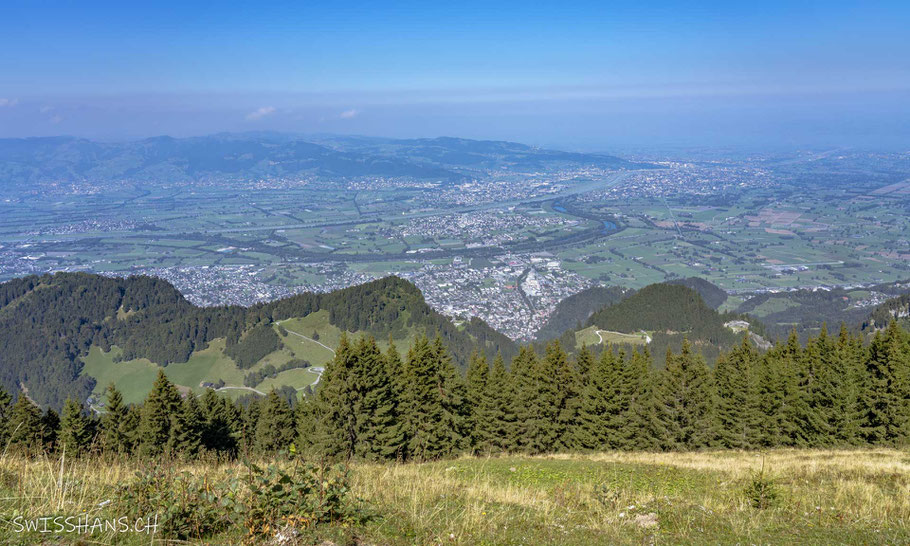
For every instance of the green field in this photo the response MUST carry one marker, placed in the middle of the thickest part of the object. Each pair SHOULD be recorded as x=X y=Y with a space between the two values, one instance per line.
x=592 y=336
x=735 y=242
x=773 y=305
x=134 y=378
x=850 y=497
x=298 y=329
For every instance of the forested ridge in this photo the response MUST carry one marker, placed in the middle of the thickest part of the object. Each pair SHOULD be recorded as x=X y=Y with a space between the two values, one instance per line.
x=374 y=405
x=673 y=312
x=575 y=310
x=713 y=295
x=47 y=323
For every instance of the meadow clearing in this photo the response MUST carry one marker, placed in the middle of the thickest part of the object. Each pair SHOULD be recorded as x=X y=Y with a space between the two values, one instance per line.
x=786 y=496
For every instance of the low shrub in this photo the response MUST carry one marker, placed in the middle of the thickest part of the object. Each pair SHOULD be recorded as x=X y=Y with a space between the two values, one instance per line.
x=186 y=506
x=263 y=501
x=303 y=497
x=761 y=490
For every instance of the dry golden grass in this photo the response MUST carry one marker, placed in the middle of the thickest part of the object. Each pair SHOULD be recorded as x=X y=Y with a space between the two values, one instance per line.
x=825 y=496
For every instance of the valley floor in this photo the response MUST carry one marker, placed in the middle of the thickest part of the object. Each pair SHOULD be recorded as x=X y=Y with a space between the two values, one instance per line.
x=815 y=497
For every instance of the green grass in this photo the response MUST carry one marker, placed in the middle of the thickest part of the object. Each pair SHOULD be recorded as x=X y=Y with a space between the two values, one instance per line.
x=589 y=336
x=773 y=305
x=859 y=497
x=318 y=322
x=294 y=378
x=134 y=378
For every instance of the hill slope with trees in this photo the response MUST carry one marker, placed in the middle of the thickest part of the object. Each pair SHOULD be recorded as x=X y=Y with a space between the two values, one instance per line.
x=713 y=295
x=48 y=323
x=673 y=313
x=893 y=309
x=576 y=309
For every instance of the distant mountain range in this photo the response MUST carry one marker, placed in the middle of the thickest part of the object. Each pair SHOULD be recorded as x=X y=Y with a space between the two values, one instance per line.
x=227 y=157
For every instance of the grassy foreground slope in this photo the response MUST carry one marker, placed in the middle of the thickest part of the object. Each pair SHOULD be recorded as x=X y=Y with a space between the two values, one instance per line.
x=823 y=497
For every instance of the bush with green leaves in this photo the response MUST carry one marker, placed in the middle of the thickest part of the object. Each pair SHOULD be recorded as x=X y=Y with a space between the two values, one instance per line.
x=186 y=506
x=262 y=501
x=302 y=497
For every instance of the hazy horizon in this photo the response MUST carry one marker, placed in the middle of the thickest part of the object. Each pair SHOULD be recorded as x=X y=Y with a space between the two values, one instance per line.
x=583 y=77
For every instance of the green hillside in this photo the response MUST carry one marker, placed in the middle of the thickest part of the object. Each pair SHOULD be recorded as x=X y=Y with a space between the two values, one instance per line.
x=577 y=308
x=592 y=336
x=713 y=295
x=70 y=334
x=672 y=312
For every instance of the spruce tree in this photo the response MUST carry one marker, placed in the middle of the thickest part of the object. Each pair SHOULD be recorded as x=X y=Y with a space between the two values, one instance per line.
x=846 y=361
x=816 y=392
x=233 y=412
x=885 y=400
x=478 y=376
x=395 y=369
x=567 y=383
x=189 y=428
x=50 y=427
x=249 y=419
x=114 y=437
x=833 y=392
x=737 y=396
x=584 y=361
x=275 y=428
x=782 y=401
x=644 y=426
x=770 y=381
x=497 y=417
x=75 y=435
x=217 y=432
x=537 y=400
x=432 y=403
x=307 y=414
x=335 y=429
x=599 y=405
x=797 y=418
x=25 y=427
x=379 y=434
x=520 y=395
x=689 y=399
x=6 y=409
x=160 y=411
x=456 y=412
x=130 y=426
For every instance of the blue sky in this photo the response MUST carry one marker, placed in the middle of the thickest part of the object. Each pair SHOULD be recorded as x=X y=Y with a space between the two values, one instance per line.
x=599 y=75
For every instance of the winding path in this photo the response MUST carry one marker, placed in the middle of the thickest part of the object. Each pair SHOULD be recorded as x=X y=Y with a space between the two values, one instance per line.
x=318 y=377
x=317 y=370
x=307 y=338
x=600 y=337
x=251 y=389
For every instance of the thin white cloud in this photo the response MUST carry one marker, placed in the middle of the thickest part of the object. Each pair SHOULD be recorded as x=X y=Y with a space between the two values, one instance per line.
x=260 y=113
x=8 y=102
x=349 y=114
